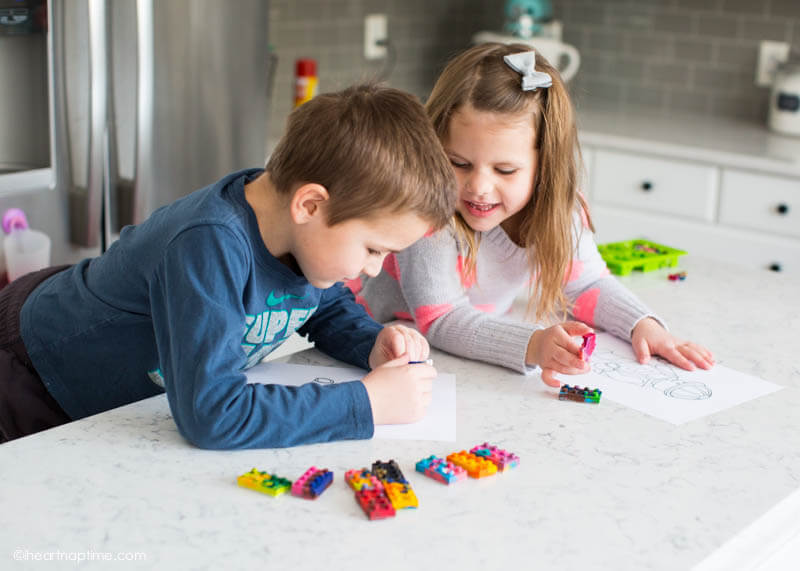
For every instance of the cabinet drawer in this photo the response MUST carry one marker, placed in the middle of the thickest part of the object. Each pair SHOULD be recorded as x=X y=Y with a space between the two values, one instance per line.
x=761 y=202
x=653 y=184
x=739 y=247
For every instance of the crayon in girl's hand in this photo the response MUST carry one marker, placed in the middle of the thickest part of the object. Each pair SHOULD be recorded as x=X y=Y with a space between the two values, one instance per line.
x=588 y=346
x=426 y=361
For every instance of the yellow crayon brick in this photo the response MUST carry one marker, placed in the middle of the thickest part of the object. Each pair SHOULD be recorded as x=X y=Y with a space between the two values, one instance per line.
x=401 y=495
x=264 y=482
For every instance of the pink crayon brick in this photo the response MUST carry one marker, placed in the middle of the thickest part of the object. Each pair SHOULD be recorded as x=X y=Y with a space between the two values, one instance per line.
x=589 y=343
x=441 y=470
x=312 y=483
x=502 y=459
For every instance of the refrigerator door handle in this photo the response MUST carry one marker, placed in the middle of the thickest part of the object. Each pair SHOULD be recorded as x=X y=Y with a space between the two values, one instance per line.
x=140 y=187
x=59 y=142
x=91 y=208
x=107 y=199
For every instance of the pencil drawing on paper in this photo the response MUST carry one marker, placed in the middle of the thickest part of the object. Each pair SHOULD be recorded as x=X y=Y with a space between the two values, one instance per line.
x=657 y=374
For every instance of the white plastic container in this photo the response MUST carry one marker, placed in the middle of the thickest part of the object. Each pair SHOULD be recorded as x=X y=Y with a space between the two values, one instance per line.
x=784 y=102
x=25 y=250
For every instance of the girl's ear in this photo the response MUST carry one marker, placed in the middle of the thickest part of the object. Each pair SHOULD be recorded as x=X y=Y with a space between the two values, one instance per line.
x=307 y=202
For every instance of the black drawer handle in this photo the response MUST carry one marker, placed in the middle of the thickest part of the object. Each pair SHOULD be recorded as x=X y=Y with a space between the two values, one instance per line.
x=782 y=208
x=647 y=186
x=776 y=267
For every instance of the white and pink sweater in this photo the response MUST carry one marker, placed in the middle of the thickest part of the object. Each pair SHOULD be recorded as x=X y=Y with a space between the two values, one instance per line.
x=467 y=315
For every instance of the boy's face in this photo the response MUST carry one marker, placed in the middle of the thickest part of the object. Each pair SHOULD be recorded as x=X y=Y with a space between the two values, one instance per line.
x=330 y=254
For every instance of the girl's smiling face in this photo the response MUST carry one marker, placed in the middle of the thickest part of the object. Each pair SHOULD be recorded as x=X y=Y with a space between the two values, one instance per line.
x=495 y=165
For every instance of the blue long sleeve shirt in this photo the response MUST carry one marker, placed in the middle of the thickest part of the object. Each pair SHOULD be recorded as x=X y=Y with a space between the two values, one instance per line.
x=185 y=302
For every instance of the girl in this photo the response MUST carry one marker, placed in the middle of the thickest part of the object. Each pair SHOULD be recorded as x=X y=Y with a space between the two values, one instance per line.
x=507 y=124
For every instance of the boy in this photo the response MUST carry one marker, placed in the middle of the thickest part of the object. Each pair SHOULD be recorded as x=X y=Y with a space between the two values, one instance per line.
x=210 y=284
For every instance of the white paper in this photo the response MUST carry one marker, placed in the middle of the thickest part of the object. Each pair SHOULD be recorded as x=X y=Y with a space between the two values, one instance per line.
x=663 y=390
x=439 y=422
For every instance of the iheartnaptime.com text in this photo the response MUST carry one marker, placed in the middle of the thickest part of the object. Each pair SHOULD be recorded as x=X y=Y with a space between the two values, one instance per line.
x=87 y=555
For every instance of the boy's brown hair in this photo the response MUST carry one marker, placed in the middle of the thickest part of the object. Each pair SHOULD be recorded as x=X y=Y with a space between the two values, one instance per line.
x=480 y=77
x=373 y=148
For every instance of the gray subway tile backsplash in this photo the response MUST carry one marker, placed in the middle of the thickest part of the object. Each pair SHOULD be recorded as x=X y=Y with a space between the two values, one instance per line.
x=677 y=55
x=693 y=49
x=718 y=25
x=776 y=29
x=746 y=7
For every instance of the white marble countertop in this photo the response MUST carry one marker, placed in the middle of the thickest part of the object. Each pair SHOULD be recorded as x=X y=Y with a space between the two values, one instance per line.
x=598 y=487
x=728 y=142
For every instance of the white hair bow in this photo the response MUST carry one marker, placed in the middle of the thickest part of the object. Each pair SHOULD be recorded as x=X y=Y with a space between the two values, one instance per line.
x=525 y=63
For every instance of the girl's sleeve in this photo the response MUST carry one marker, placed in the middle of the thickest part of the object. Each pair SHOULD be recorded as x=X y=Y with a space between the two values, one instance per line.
x=198 y=317
x=430 y=278
x=598 y=298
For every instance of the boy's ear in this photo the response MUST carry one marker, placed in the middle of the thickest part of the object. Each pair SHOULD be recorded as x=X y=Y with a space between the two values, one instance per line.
x=308 y=201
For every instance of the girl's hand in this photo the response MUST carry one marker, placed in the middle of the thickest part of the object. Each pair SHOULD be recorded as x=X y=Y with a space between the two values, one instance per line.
x=396 y=340
x=555 y=351
x=649 y=338
x=398 y=392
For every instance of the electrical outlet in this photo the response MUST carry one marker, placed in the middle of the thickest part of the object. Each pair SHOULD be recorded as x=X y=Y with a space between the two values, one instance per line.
x=770 y=55
x=375 y=36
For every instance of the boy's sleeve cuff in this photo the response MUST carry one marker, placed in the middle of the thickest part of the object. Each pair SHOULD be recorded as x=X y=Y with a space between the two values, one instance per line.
x=363 y=423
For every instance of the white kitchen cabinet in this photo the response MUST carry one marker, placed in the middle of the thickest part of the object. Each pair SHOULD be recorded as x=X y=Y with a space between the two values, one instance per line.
x=704 y=195
x=760 y=202
x=654 y=184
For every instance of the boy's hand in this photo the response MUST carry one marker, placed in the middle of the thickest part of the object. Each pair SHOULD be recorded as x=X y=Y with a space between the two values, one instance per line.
x=649 y=338
x=399 y=393
x=396 y=340
x=555 y=351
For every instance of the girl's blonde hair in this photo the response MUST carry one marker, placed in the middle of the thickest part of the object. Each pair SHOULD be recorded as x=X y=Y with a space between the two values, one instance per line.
x=479 y=77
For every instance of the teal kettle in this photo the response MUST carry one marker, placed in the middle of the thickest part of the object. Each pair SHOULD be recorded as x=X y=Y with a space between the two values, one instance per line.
x=524 y=18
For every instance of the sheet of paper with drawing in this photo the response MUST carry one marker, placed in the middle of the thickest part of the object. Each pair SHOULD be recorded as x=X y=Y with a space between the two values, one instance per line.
x=663 y=390
x=438 y=424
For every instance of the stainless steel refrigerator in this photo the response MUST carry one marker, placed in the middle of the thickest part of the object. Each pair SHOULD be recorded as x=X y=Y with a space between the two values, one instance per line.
x=112 y=108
